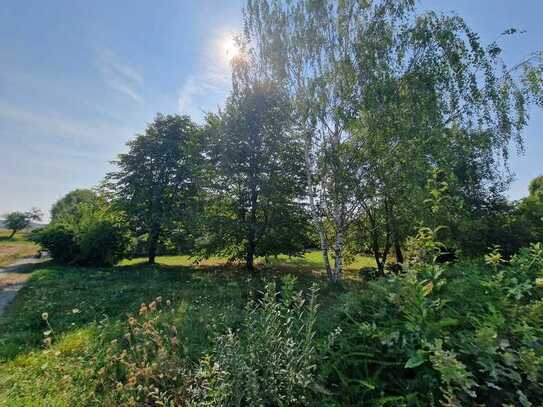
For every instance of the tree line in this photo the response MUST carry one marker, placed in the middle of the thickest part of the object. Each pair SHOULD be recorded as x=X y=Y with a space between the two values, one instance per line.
x=349 y=125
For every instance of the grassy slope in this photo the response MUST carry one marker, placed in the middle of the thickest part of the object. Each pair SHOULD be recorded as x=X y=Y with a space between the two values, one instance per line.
x=15 y=248
x=89 y=306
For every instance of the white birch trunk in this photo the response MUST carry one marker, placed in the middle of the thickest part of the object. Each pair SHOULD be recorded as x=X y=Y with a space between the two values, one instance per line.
x=338 y=244
x=315 y=215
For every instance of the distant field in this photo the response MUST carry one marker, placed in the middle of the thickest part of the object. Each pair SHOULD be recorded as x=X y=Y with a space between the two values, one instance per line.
x=16 y=248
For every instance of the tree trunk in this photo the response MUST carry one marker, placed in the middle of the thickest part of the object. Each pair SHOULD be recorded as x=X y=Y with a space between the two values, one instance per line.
x=250 y=259
x=338 y=258
x=314 y=211
x=253 y=201
x=12 y=233
x=251 y=235
x=395 y=235
x=152 y=246
x=398 y=250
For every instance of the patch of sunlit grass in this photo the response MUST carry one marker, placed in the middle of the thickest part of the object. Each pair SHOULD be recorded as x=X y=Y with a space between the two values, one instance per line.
x=15 y=248
x=311 y=259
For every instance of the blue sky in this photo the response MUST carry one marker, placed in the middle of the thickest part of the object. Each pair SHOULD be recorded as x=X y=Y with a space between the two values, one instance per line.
x=80 y=78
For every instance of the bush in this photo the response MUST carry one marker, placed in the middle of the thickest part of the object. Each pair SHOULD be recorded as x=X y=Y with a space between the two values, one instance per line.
x=101 y=238
x=269 y=361
x=94 y=237
x=469 y=334
x=59 y=240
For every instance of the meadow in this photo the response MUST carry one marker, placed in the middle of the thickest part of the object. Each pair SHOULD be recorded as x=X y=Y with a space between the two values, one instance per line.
x=87 y=307
x=437 y=334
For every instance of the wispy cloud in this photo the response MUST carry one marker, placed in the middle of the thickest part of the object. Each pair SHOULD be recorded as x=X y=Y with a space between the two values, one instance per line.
x=119 y=76
x=43 y=122
x=47 y=124
x=214 y=79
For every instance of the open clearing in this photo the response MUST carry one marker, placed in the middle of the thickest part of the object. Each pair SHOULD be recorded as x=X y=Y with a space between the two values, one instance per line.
x=86 y=307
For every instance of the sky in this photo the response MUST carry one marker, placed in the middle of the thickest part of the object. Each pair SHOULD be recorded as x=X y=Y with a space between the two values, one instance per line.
x=78 y=79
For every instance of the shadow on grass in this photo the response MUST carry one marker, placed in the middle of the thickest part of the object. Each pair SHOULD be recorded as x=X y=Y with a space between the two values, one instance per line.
x=78 y=297
x=26 y=268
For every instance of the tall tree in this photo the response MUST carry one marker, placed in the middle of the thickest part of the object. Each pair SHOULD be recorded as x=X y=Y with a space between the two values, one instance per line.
x=363 y=69
x=156 y=183
x=254 y=203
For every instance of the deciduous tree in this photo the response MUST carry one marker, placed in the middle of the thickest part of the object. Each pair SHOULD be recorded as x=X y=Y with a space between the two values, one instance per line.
x=156 y=181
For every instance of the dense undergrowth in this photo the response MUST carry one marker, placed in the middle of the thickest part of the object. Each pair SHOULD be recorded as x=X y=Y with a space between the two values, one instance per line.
x=456 y=335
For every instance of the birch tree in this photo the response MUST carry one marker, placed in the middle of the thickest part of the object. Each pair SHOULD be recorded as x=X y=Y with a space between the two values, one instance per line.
x=363 y=69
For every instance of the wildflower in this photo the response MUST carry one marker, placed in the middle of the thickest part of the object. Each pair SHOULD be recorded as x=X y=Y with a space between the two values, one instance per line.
x=45 y=316
x=143 y=309
x=47 y=341
x=75 y=311
x=47 y=333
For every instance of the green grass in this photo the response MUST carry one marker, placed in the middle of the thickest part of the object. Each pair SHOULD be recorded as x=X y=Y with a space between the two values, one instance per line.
x=310 y=260
x=87 y=307
x=15 y=248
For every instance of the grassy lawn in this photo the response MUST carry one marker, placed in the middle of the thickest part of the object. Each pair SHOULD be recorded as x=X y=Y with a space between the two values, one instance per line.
x=88 y=307
x=310 y=261
x=15 y=248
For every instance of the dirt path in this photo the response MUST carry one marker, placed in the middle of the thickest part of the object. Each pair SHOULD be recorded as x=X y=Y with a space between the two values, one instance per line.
x=13 y=278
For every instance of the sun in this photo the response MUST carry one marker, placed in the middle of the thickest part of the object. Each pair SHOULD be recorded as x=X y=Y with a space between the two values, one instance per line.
x=229 y=48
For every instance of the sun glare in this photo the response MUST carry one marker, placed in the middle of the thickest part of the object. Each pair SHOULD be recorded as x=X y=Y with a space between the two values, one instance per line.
x=229 y=48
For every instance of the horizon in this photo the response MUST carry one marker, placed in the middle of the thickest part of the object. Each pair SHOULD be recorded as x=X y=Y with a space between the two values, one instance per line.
x=79 y=80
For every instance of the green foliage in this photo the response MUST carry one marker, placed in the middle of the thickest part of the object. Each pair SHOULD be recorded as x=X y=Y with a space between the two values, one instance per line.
x=255 y=183
x=385 y=95
x=91 y=236
x=452 y=335
x=269 y=361
x=59 y=240
x=16 y=221
x=536 y=186
x=67 y=206
x=156 y=181
x=457 y=335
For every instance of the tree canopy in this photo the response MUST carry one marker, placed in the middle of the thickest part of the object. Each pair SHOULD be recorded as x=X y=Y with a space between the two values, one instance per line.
x=17 y=221
x=67 y=206
x=156 y=182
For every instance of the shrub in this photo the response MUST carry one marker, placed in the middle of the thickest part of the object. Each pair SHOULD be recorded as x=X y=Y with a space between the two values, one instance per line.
x=59 y=240
x=148 y=365
x=269 y=361
x=469 y=334
x=94 y=237
x=101 y=238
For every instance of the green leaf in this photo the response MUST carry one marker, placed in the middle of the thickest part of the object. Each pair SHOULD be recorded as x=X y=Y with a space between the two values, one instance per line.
x=415 y=360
